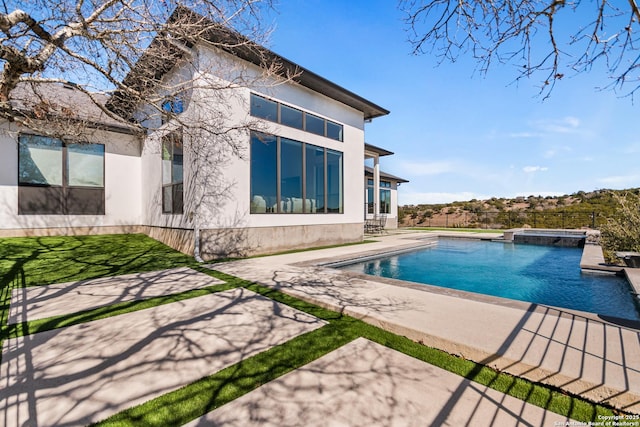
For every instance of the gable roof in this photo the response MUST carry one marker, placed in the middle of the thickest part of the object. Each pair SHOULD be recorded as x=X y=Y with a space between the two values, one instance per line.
x=152 y=66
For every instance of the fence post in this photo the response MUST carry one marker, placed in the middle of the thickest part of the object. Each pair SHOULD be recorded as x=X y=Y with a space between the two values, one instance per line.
x=446 y=216
x=535 y=223
x=563 y=212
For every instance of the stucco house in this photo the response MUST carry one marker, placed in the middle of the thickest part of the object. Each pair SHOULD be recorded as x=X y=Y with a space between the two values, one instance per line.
x=244 y=164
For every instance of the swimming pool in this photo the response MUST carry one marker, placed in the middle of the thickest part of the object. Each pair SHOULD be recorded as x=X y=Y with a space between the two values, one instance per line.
x=546 y=275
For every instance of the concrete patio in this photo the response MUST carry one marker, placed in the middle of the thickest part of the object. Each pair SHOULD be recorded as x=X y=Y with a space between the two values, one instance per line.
x=84 y=373
x=579 y=352
x=365 y=384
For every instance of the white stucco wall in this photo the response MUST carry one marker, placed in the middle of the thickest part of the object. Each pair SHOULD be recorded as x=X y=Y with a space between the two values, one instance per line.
x=122 y=184
x=220 y=168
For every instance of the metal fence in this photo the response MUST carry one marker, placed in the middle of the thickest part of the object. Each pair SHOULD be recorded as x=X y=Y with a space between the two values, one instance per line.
x=515 y=219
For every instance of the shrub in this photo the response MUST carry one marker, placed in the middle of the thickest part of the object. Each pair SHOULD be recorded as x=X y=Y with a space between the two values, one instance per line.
x=621 y=232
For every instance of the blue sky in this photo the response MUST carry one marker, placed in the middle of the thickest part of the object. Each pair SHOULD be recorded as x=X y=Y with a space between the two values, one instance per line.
x=457 y=134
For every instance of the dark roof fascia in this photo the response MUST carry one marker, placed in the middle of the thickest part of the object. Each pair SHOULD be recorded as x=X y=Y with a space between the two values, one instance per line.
x=378 y=150
x=238 y=45
x=326 y=87
x=368 y=171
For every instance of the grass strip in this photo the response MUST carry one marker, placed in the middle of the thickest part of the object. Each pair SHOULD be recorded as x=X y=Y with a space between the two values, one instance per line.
x=54 y=322
x=206 y=394
x=542 y=395
x=35 y=261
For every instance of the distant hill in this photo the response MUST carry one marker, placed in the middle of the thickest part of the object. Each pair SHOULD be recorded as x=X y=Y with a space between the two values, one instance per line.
x=577 y=210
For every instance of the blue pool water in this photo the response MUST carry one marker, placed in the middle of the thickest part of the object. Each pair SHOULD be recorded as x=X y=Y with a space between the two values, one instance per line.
x=546 y=275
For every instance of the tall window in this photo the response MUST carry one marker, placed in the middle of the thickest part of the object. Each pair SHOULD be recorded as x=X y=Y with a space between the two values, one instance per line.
x=172 y=173
x=334 y=182
x=314 y=179
x=370 y=200
x=57 y=178
x=385 y=197
x=290 y=176
x=264 y=176
x=276 y=112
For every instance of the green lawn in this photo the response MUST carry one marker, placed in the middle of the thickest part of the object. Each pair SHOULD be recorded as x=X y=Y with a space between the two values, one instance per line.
x=37 y=261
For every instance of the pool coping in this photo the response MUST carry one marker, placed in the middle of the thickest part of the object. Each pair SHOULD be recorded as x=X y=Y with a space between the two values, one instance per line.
x=592 y=261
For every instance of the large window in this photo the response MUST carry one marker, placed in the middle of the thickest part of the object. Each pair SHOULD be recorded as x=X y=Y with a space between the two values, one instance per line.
x=276 y=112
x=57 y=178
x=290 y=176
x=172 y=173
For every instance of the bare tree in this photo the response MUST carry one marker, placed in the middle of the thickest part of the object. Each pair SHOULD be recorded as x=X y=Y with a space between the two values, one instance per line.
x=96 y=45
x=551 y=39
x=173 y=72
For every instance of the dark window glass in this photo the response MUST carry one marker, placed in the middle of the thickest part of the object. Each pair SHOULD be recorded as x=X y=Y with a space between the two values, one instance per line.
x=370 y=182
x=264 y=181
x=291 y=175
x=166 y=199
x=314 y=124
x=85 y=201
x=314 y=177
x=370 y=200
x=264 y=108
x=277 y=182
x=172 y=173
x=334 y=182
x=334 y=131
x=385 y=184
x=290 y=117
x=177 y=198
x=38 y=200
x=177 y=162
x=59 y=179
x=385 y=201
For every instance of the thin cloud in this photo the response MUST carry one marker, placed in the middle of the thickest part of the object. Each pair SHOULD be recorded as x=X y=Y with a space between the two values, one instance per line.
x=565 y=125
x=621 y=180
x=533 y=169
x=554 y=151
x=524 y=135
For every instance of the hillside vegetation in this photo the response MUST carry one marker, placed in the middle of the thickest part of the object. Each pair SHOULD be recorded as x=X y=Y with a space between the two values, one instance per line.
x=577 y=210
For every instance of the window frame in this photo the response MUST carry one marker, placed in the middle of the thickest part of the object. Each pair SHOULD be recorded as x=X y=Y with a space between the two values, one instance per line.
x=385 y=186
x=278 y=118
x=281 y=206
x=175 y=189
x=60 y=199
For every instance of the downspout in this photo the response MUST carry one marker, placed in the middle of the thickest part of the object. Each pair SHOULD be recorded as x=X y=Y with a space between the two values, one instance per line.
x=196 y=243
